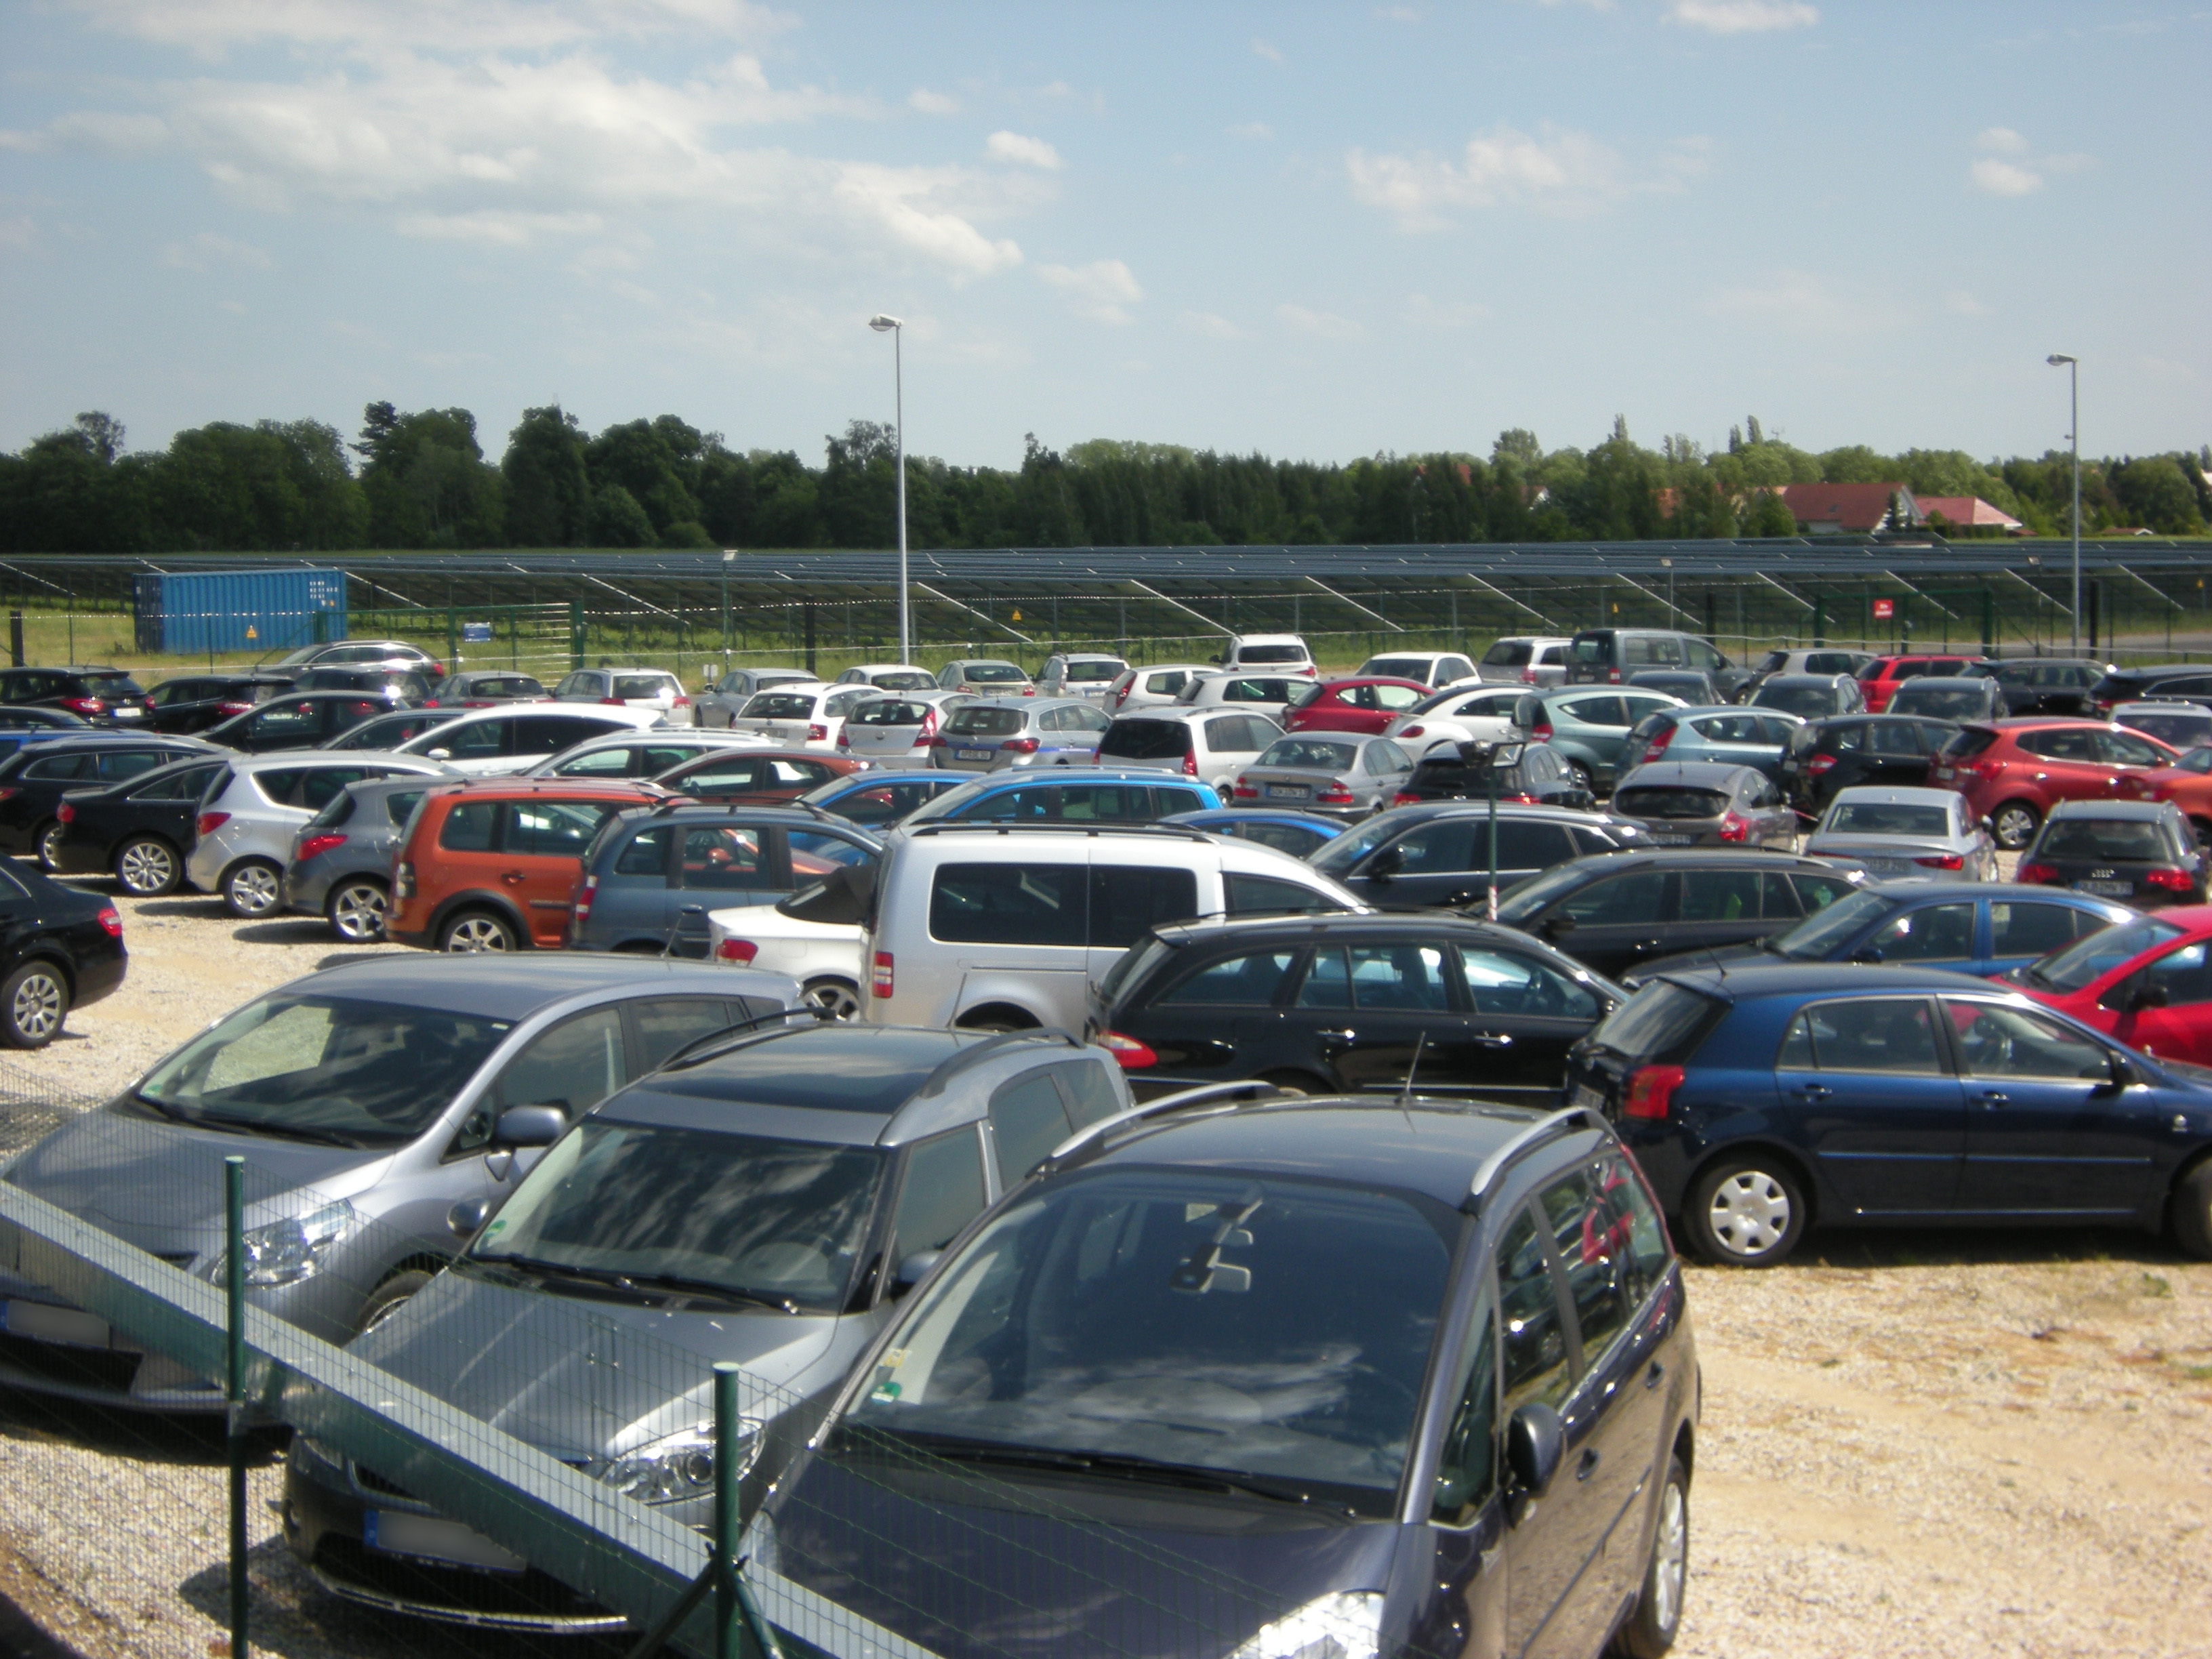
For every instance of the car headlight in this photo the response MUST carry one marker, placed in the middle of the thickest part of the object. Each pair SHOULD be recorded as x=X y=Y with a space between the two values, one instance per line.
x=680 y=1465
x=285 y=1252
x=1344 y=1624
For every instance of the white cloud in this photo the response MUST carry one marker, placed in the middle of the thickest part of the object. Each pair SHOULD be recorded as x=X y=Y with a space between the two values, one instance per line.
x=498 y=227
x=1422 y=311
x=1253 y=131
x=2002 y=141
x=1099 y=291
x=1960 y=303
x=1273 y=54
x=932 y=103
x=1213 y=327
x=1742 y=16
x=1319 y=325
x=1556 y=171
x=2022 y=177
x=1995 y=178
x=373 y=28
x=206 y=249
x=1399 y=13
x=1012 y=146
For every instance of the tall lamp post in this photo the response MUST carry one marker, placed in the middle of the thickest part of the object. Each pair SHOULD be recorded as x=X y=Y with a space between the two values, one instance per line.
x=2074 y=436
x=896 y=327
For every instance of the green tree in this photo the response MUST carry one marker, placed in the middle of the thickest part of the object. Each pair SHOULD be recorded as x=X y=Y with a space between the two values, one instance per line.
x=2154 y=492
x=618 y=520
x=549 y=487
x=426 y=480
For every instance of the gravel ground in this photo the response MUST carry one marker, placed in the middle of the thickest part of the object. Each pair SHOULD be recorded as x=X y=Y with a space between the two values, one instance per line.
x=1927 y=1444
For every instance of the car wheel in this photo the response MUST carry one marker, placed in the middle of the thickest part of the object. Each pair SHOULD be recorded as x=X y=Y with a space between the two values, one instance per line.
x=2192 y=1212
x=147 y=866
x=1658 y=1614
x=252 y=887
x=49 y=845
x=837 y=998
x=1745 y=1214
x=474 y=931
x=2013 y=824
x=355 y=910
x=390 y=1297
x=34 y=1001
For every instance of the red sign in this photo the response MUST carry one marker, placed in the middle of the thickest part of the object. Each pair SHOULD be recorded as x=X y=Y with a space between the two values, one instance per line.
x=1884 y=610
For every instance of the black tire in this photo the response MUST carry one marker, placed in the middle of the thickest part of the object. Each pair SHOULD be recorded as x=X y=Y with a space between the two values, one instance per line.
x=1657 y=1615
x=2191 y=1212
x=147 y=866
x=386 y=1299
x=468 y=932
x=252 y=887
x=356 y=909
x=35 y=1000
x=48 y=845
x=2013 y=825
x=1745 y=1212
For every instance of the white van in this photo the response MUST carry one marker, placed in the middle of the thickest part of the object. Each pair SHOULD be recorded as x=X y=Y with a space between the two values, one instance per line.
x=1274 y=653
x=993 y=928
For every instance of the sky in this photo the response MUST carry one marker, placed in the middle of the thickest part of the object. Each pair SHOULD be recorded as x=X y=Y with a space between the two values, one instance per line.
x=1312 y=231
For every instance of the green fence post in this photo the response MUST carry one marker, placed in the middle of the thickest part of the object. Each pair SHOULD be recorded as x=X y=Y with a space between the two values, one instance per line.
x=728 y=1616
x=453 y=640
x=233 y=1204
x=1988 y=621
x=577 y=643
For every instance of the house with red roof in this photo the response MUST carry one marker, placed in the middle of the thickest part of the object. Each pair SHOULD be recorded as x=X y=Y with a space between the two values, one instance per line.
x=1968 y=513
x=1857 y=509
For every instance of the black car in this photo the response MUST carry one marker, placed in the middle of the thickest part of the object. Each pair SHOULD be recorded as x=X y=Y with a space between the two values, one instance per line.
x=1439 y=853
x=53 y=688
x=486 y=687
x=22 y=718
x=2046 y=686
x=383 y=731
x=2170 y=681
x=193 y=702
x=1348 y=1003
x=1612 y=912
x=1850 y=750
x=59 y=949
x=116 y=687
x=1541 y=777
x=1314 y=1377
x=397 y=687
x=140 y=830
x=303 y=720
x=34 y=780
x=2140 y=853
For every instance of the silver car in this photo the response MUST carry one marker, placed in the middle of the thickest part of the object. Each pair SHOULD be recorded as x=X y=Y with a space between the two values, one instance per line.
x=1526 y=660
x=992 y=734
x=1706 y=804
x=340 y=867
x=1267 y=693
x=803 y=716
x=244 y=835
x=640 y=754
x=1079 y=674
x=986 y=676
x=722 y=698
x=896 y=730
x=1212 y=744
x=1906 y=834
x=888 y=677
x=1157 y=683
x=368 y=1099
x=1344 y=774
x=633 y=688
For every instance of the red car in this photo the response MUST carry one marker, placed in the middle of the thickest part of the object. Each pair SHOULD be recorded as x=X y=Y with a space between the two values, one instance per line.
x=2146 y=983
x=2012 y=771
x=1359 y=705
x=1882 y=678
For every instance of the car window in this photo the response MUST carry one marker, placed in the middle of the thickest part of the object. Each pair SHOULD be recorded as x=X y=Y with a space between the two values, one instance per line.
x=470 y=827
x=1249 y=980
x=1467 y=1462
x=1935 y=932
x=552 y=829
x=1865 y=1034
x=2184 y=975
x=664 y=1024
x=1536 y=1345
x=116 y=765
x=548 y=734
x=1593 y=1253
x=1028 y=1120
x=1818 y=892
x=1027 y=903
x=178 y=785
x=574 y=1066
x=1504 y=982
x=943 y=1192
x=2075 y=744
x=1270 y=896
x=1600 y=711
x=319 y=786
x=1776 y=900
x=1090 y=1087
x=817 y=852
x=1378 y=977
x=300 y=720
x=725 y=858
x=2125 y=749
x=1618 y=901
x=2001 y=1043
x=617 y=763
x=62 y=767
x=475 y=739
x=646 y=855
x=1126 y=901
x=1720 y=896
x=725 y=777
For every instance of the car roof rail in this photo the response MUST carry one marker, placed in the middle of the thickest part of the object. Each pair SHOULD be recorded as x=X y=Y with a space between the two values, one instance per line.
x=1059 y=826
x=1092 y=1137
x=1486 y=1172
x=975 y=1054
x=709 y=1045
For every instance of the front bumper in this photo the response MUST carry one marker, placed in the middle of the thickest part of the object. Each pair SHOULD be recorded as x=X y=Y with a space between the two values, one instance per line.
x=99 y=1366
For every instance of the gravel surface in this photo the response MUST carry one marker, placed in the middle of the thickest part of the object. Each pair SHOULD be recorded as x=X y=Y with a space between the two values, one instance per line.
x=1928 y=1443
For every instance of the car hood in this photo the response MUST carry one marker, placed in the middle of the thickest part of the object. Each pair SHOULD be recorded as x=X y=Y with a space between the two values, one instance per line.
x=972 y=1566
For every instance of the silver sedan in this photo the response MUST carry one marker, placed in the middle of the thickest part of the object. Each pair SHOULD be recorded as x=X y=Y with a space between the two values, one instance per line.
x=1906 y=834
x=1345 y=774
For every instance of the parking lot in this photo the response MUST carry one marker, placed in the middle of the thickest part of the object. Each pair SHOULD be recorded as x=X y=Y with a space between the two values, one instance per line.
x=1996 y=1444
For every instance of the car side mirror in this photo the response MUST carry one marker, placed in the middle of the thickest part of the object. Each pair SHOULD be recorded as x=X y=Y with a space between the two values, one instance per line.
x=532 y=1126
x=1870 y=953
x=439 y=755
x=1985 y=825
x=466 y=1219
x=2149 y=995
x=1558 y=926
x=1536 y=1446
x=912 y=1269
x=1386 y=863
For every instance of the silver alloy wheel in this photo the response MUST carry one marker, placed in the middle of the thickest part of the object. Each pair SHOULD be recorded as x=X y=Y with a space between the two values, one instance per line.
x=356 y=912
x=834 y=998
x=50 y=848
x=35 y=1011
x=2014 y=827
x=471 y=934
x=253 y=889
x=147 y=867
x=1749 y=1214
x=1670 y=1557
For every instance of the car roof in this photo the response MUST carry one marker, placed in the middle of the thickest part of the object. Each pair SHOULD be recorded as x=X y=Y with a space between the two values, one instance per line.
x=1701 y=709
x=677 y=809
x=287 y=757
x=502 y=986
x=1598 y=864
x=1809 y=979
x=1664 y=772
x=1202 y=930
x=522 y=789
x=2161 y=706
x=2129 y=811
x=1207 y=814
x=1419 y=810
x=1092 y=656
x=1373 y=679
x=1802 y=680
x=1896 y=795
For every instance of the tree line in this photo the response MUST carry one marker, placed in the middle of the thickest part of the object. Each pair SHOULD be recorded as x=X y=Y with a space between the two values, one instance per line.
x=420 y=479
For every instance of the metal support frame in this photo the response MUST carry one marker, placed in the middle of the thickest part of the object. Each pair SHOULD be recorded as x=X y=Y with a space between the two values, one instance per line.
x=1929 y=594
x=1345 y=598
x=1656 y=598
x=1212 y=626
x=983 y=617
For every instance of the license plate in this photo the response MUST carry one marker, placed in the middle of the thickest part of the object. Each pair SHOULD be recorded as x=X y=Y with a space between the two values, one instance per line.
x=1887 y=867
x=127 y=713
x=1674 y=841
x=430 y=1538
x=1287 y=791
x=43 y=1323
x=2109 y=889
x=1945 y=772
x=1585 y=1095
x=973 y=754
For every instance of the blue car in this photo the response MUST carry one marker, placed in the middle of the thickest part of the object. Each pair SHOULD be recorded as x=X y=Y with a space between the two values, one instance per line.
x=1073 y=794
x=1975 y=927
x=880 y=799
x=1297 y=834
x=1768 y=1100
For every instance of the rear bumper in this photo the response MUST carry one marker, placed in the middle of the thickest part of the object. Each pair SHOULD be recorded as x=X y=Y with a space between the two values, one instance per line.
x=101 y=974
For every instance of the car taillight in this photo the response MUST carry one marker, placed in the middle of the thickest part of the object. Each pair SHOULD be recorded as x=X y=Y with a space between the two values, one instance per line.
x=1528 y=676
x=614 y=702
x=1650 y=1091
x=1189 y=763
x=232 y=707
x=66 y=813
x=1942 y=861
x=1613 y=675
x=933 y=743
x=84 y=705
x=1243 y=791
x=879 y=976
x=1541 y=730
x=816 y=732
x=1821 y=763
x=2035 y=874
x=1411 y=732
x=1657 y=746
x=437 y=670
x=1029 y=690
x=2169 y=880
x=1338 y=794
x=1989 y=768
x=1018 y=746
x=681 y=702
x=111 y=920
x=1129 y=1054
x=402 y=880
x=147 y=702
x=580 y=907
x=844 y=738
x=1734 y=828
x=10 y=794
x=739 y=950
x=314 y=846
x=929 y=724
x=208 y=823
x=1403 y=799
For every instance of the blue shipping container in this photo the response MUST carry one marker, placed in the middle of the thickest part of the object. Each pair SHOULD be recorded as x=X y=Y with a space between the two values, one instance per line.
x=267 y=612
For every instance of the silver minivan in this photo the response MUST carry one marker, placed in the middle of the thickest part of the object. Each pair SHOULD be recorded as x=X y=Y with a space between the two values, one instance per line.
x=993 y=734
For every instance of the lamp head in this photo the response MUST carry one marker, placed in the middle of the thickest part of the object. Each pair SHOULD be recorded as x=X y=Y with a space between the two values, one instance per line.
x=884 y=323
x=2058 y=357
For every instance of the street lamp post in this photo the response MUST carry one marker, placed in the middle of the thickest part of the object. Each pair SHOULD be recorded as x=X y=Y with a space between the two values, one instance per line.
x=2074 y=436
x=896 y=327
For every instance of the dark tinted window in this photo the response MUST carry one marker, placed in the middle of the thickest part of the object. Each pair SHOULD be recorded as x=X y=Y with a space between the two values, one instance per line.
x=1660 y=1023
x=1819 y=892
x=117 y=765
x=1028 y=1120
x=1536 y=1345
x=1126 y=901
x=2021 y=927
x=646 y=855
x=942 y=1193
x=548 y=734
x=1618 y=901
x=1249 y=981
x=666 y=1024
x=1270 y=896
x=2117 y=840
x=1593 y=1253
x=1721 y=894
x=1467 y=1462
x=62 y=767
x=1009 y=904
x=1867 y=1034
x=1146 y=739
x=2068 y=744
x=469 y=827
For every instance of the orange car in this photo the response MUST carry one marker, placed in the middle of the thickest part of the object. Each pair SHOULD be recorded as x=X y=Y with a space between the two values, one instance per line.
x=490 y=865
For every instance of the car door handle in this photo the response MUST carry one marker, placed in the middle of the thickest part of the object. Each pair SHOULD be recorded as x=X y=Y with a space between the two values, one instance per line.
x=1345 y=1036
x=1994 y=1097
x=1655 y=1375
x=514 y=877
x=1587 y=1466
x=1493 y=1040
x=1814 y=1090
x=1645 y=944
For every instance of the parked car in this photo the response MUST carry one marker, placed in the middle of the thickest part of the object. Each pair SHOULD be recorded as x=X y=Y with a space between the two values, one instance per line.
x=1879 y=680
x=35 y=778
x=138 y=830
x=1537 y=774
x=1271 y=695
x=1825 y=757
x=243 y=836
x=2185 y=682
x=396 y=688
x=1274 y=654
x=1968 y=927
x=1692 y=685
x=1809 y=696
x=1820 y=659
x=888 y=677
x=2143 y=983
x=1706 y=804
x=977 y=927
x=118 y=689
x=340 y=864
x=2012 y=771
x=55 y=687
x=1299 y=833
x=814 y=935
x=1526 y=660
x=1103 y=794
x=986 y=676
x=1214 y=743
x=803 y=716
x=489 y=743
x=1365 y=705
x=60 y=948
x=1591 y=728
x=624 y=753
x=994 y=734
x=1800 y=1094
x=22 y=721
x=1457 y=715
x=2179 y=725
x=1079 y=674
x=383 y=731
x=1430 y=668
x=1905 y=835
x=1956 y=698
x=297 y=719
x=1341 y=773
x=754 y=777
x=1159 y=683
x=876 y=802
x=1335 y=1003
x=1331 y=1373
x=649 y=866
x=1618 y=910
x=798 y=1157
x=894 y=730
x=1729 y=736
x=2046 y=686
x=357 y=653
x=2143 y=852
x=653 y=689
x=1607 y=656
x=487 y=688
x=405 y=1085
x=491 y=864
x=723 y=697
x=1439 y=853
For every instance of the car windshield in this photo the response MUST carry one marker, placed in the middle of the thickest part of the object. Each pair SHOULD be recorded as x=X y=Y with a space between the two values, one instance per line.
x=2117 y=841
x=743 y=1217
x=1949 y=703
x=1093 y=673
x=1260 y=653
x=1651 y=801
x=1658 y=1020
x=1349 y=848
x=1253 y=1326
x=993 y=673
x=641 y=685
x=2088 y=960
x=1395 y=668
x=1867 y=817
x=889 y=711
x=390 y=730
x=1146 y=739
x=910 y=679
x=1314 y=753
x=1810 y=701
x=319 y=1067
x=1812 y=939
x=977 y=721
